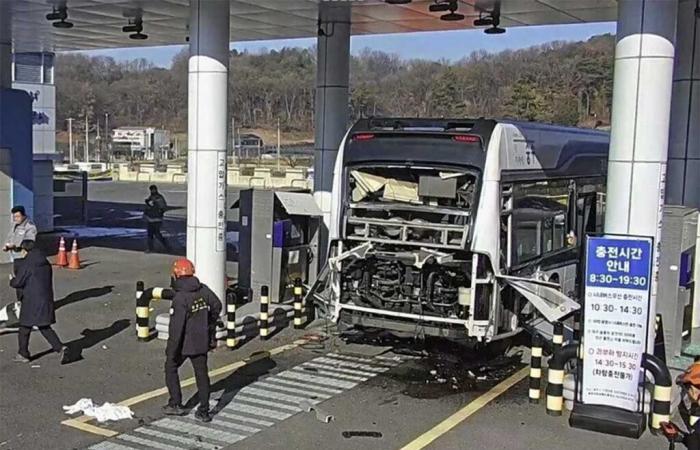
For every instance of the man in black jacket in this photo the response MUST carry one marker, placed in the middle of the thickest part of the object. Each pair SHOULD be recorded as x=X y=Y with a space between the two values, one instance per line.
x=193 y=317
x=35 y=277
x=156 y=206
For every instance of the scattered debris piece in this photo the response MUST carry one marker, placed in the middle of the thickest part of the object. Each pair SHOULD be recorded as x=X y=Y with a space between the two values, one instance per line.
x=370 y=434
x=108 y=411
x=320 y=414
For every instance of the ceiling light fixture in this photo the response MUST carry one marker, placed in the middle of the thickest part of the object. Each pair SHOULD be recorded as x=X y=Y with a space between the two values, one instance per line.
x=60 y=14
x=135 y=25
x=439 y=7
x=452 y=16
x=492 y=18
x=398 y=2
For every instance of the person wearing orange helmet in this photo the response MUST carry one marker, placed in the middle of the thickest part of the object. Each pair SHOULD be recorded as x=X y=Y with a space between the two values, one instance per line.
x=690 y=383
x=193 y=317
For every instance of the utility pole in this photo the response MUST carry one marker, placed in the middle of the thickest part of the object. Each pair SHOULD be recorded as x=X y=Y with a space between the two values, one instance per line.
x=98 y=142
x=107 y=136
x=87 y=140
x=279 y=139
x=71 y=156
x=233 y=138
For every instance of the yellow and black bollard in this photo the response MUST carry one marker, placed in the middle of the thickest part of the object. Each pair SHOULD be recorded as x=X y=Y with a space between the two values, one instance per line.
x=264 y=313
x=142 y=313
x=663 y=386
x=555 y=378
x=694 y=414
x=298 y=305
x=557 y=336
x=231 y=338
x=535 y=369
x=577 y=327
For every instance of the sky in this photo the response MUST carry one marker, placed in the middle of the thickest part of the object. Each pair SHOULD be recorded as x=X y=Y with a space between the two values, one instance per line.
x=449 y=45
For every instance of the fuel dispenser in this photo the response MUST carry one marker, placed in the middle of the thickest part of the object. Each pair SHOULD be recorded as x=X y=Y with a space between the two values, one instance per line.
x=676 y=286
x=278 y=241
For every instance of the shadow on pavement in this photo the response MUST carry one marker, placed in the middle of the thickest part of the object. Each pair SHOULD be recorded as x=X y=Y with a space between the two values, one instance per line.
x=85 y=294
x=91 y=338
x=240 y=378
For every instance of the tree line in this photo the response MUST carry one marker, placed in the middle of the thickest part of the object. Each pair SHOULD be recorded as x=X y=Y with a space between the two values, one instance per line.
x=560 y=82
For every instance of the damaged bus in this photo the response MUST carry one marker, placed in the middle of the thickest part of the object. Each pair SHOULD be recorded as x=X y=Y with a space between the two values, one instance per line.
x=465 y=229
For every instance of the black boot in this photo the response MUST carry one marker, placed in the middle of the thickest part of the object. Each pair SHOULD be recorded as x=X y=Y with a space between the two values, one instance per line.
x=202 y=416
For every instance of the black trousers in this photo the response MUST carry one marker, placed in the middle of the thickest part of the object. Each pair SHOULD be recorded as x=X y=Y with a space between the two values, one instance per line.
x=48 y=333
x=153 y=231
x=201 y=376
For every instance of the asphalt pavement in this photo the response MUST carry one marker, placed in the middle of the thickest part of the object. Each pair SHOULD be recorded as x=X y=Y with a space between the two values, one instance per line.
x=382 y=393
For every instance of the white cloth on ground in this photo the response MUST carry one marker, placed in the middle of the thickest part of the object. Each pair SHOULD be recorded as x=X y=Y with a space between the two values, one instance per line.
x=108 y=411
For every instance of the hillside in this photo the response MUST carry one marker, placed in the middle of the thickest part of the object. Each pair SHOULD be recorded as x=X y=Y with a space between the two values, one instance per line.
x=560 y=82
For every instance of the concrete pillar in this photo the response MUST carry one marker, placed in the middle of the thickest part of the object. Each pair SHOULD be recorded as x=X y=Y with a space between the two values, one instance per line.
x=644 y=54
x=684 y=144
x=5 y=46
x=332 y=97
x=207 y=120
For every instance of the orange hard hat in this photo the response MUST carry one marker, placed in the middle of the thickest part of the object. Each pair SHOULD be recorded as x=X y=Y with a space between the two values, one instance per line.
x=692 y=375
x=183 y=267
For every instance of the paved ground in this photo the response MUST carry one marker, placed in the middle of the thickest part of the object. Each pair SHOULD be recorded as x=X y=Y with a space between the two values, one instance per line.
x=378 y=401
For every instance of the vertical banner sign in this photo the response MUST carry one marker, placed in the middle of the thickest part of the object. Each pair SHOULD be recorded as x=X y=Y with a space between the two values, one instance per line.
x=221 y=202
x=617 y=288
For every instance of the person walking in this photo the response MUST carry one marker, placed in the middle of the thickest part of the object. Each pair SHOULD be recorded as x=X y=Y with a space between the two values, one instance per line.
x=155 y=210
x=23 y=229
x=35 y=278
x=191 y=334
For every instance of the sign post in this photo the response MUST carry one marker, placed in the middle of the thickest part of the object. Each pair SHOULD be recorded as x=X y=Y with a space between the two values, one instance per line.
x=617 y=286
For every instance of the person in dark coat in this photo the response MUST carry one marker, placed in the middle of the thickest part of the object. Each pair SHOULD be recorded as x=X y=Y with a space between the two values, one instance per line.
x=193 y=317
x=156 y=206
x=35 y=278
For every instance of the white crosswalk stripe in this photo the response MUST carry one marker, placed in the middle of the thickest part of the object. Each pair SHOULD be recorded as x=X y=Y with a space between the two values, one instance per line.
x=148 y=443
x=265 y=393
x=338 y=368
x=329 y=373
x=261 y=412
x=187 y=441
x=200 y=430
x=353 y=365
x=280 y=387
x=238 y=417
x=271 y=404
x=307 y=387
x=323 y=381
x=258 y=405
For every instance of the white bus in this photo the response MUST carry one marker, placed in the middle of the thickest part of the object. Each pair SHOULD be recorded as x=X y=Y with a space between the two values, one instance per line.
x=465 y=229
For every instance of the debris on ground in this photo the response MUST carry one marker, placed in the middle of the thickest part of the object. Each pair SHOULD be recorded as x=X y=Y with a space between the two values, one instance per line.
x=321 y=415
x=369 y=434
x=108 y=411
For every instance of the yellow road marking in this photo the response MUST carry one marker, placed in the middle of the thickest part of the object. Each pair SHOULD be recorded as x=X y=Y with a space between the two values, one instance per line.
x=80 y=425
x=81 y=422
x=455 y=419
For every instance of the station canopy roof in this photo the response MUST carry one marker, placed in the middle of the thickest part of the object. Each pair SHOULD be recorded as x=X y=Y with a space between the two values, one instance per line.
x=98 y=23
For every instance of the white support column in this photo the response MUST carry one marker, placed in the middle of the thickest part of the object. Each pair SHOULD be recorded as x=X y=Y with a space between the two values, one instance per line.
x=207 y=122
x=332 y=92
x=684 y=144
x=640 y=121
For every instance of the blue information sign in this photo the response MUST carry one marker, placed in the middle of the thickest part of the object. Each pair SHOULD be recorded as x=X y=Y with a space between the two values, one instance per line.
x=616 y=314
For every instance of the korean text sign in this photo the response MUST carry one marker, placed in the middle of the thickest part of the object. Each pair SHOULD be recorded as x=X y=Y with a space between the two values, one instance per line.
x=616 y=311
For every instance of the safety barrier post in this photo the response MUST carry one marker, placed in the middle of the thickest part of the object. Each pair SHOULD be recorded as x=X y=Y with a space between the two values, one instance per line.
x=577 y=327
x=555 y=378
x=557 y=336
x=298 y=297
x=231 y=339
x=142 y=313
x=264 y=313
x=535 y=368
x=663 y=385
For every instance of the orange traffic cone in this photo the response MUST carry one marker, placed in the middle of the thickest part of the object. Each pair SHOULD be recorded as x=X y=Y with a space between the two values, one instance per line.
x=62 y=258
x=74 y=262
